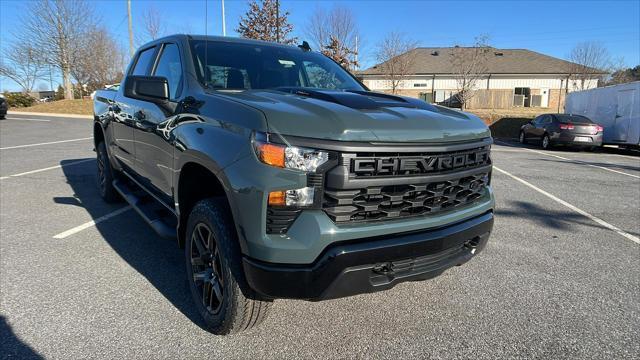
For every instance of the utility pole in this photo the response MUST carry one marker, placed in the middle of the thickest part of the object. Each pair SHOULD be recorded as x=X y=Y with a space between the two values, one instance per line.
x=131 y=50
x=224 y=26
x=50 y=80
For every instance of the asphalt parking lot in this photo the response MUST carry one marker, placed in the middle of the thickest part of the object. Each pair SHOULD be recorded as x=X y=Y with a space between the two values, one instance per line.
x=81 y=279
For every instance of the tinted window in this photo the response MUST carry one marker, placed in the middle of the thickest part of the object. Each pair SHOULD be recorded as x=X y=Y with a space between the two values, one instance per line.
x=224 y=65
x=170 y=67
x=577 y=119
x=142 y=64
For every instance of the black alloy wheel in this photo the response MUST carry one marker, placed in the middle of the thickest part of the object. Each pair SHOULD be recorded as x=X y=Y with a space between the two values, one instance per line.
x=206 y=268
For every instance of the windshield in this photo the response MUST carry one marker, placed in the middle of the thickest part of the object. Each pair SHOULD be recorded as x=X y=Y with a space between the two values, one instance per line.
x=577 y=119
x=255 y=66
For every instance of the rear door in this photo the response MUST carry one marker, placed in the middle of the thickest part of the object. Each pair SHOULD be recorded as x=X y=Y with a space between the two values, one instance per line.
x=623 y=115
x=154 y=150
x=538 y=130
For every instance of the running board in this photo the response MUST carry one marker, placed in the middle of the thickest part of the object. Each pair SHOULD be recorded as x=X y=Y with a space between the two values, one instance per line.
x=155 y=214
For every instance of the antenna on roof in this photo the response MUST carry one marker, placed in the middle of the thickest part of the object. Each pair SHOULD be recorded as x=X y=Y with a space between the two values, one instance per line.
x=305 y=46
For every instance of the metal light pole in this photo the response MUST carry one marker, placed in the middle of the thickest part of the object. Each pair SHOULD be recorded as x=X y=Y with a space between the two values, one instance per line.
x=224 y=26
x=131 y=50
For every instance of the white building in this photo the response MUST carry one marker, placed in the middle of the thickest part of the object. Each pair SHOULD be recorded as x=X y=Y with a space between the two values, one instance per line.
x=513 y=77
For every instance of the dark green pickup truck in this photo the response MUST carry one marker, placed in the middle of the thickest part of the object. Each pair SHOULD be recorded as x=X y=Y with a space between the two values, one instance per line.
x=282 y=176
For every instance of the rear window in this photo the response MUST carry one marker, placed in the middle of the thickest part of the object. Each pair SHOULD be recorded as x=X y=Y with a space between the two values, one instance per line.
x=576 y=119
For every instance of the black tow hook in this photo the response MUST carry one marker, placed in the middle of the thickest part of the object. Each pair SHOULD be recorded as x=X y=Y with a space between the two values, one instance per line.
x=472 y=243
x=383 y=269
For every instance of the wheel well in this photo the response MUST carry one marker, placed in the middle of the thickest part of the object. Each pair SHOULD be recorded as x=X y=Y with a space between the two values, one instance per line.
x=196 y=183
x=98 y=135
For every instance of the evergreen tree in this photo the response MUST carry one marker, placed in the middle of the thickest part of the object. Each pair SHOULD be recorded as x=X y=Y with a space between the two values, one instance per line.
x=265 y=21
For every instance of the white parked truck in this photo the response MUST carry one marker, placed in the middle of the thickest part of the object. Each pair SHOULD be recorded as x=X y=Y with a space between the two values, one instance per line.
x=616 y=108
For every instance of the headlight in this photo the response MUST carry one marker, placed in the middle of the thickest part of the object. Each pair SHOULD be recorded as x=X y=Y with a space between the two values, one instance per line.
x=290 y=157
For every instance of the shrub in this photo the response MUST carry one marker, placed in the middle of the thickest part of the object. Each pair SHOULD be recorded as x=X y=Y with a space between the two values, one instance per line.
x=18 y=99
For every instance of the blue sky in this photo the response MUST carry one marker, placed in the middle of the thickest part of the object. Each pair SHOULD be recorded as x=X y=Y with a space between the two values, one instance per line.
x=549 y=27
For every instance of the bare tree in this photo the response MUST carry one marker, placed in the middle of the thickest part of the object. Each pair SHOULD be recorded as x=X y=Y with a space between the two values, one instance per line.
x=153 y=25
x=23 y=64
x=55 y=28
x=265 y=21
x=469 y=65
x=340 y=54
x=589 y=61
x=395 y=58
x=101 y=60
x=335 y=29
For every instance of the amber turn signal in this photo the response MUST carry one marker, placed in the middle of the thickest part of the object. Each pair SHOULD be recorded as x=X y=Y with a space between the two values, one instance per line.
x=277 y=198
x=271 y=154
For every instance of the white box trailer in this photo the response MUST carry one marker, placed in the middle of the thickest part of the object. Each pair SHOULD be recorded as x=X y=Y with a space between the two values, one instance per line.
x=616 y=108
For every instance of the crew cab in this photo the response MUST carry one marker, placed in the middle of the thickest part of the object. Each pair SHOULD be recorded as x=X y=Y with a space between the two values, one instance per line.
x=282 y=176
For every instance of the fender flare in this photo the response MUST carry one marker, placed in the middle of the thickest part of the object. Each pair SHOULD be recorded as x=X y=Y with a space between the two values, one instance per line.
x=198 y=158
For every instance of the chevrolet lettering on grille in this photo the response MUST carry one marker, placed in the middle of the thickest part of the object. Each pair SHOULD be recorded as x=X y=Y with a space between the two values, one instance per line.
x=409 y=165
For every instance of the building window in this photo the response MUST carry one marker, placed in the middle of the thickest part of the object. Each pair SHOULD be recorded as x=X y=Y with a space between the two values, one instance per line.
x=419 y=84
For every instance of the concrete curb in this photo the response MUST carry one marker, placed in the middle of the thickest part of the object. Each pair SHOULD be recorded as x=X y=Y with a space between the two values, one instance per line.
x=76 y=116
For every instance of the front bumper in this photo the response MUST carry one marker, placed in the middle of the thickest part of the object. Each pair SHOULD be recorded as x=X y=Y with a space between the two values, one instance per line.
x=372 y=264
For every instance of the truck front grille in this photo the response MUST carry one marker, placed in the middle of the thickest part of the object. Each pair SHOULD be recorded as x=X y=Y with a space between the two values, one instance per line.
x=398 y=201
x=387 y=186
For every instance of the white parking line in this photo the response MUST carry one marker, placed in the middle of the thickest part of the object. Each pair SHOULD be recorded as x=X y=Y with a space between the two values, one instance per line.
x=45 y=169
x=596 y=219
x=91 y=223
x=45 y=143
x=27 y=119
x=597 y=154
x=584 y=163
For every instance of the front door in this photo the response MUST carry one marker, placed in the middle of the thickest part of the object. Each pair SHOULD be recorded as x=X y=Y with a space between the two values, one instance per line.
x=544 y=97
x=123 y=146
x=154 y=150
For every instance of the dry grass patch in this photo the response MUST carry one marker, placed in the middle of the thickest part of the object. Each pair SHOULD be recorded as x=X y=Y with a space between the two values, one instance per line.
x=79 y=107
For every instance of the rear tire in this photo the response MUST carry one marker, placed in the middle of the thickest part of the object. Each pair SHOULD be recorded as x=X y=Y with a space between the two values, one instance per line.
x=214 y=271
x=546 y=142
x=105 y=175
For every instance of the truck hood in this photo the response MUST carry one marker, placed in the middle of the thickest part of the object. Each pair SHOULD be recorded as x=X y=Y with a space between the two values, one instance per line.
x=358 y=116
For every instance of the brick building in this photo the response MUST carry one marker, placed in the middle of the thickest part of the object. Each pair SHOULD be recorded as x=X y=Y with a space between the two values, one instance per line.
x=513 y=78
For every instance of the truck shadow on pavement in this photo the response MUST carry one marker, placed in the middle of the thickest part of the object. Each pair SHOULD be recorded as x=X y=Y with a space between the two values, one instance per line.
x=159 y=260
x=554 y=219
x=12 y=347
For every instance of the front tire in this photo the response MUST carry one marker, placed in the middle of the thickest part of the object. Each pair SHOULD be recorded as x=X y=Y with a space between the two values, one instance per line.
x=546 y=142
x=214 y=271
x=522 y=138
x=105 y=175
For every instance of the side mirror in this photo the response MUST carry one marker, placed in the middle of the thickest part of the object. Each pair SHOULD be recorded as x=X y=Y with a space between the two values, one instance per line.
x=154 y=89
